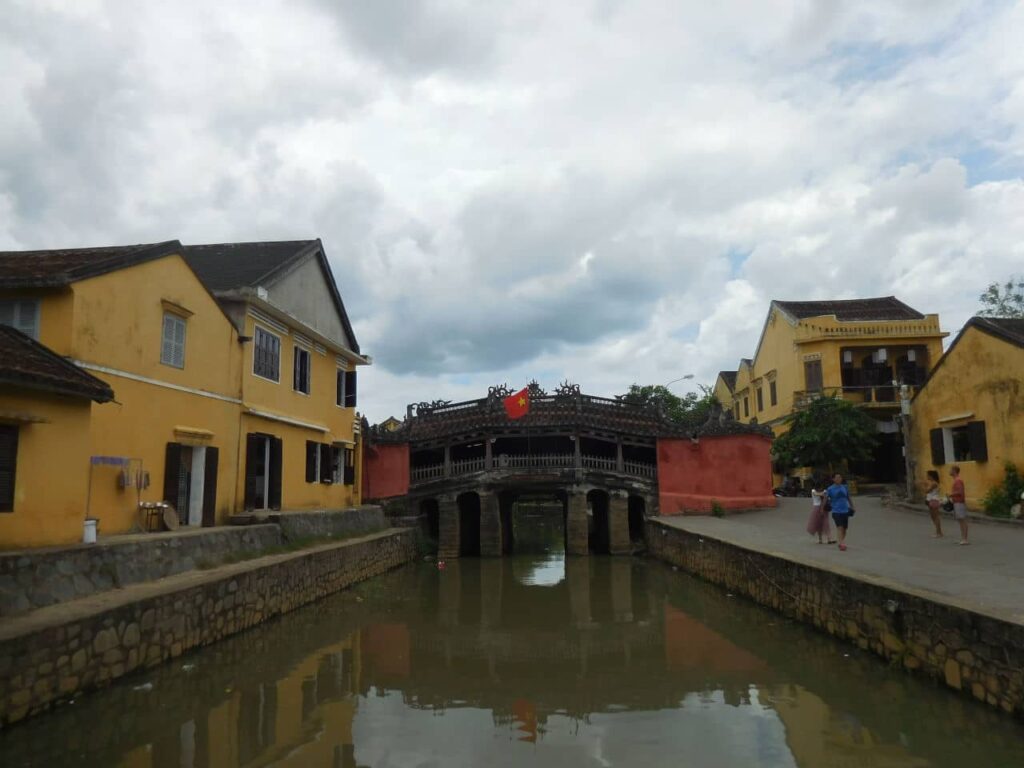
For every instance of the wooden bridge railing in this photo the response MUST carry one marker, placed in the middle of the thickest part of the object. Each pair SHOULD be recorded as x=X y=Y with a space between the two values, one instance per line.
x=531 y=463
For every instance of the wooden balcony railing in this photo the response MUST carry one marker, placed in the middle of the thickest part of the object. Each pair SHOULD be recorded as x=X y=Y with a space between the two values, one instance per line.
x=875 y=396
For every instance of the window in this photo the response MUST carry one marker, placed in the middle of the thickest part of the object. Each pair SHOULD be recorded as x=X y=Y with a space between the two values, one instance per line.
x=337 y=469
x=736 y=408
x=967 y=442
x=760 y=398
x=346 y=396
x=8 y=463
x=22 y=314
x=812 y=375
x=301 y=373
x=773 y=393
x=312 y=461
x=266 y=359
x=746 y=407
x=172 y=345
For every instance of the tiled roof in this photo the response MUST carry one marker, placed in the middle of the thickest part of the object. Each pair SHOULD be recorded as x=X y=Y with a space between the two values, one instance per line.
x=27 y=363
x=229 y=266
x=729 y=377
x=60 y=267
x=226 y=266
x=1007 y=328
x=882 y=308
x=589 y=413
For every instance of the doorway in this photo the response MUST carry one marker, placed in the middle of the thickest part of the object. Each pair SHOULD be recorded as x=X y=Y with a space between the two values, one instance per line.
x=262 y=471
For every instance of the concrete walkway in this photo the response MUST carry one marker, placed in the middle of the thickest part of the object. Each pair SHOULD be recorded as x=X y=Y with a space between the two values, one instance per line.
x=891 y=546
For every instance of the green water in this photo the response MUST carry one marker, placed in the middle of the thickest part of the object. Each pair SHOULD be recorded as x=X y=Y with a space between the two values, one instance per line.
x=532 y=660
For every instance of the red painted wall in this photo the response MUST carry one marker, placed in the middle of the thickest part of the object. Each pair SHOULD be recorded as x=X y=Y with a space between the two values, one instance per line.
x=734 y=470
x=385 y=471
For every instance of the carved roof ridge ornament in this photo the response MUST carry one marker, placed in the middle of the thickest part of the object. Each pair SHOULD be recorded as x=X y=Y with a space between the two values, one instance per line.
x=534 y=389
x=567 y=390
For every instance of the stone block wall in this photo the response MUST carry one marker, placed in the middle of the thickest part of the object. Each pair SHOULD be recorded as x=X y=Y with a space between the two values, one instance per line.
x=32 y=579
x=47 y=658
x=321 y=523
x=972 y=653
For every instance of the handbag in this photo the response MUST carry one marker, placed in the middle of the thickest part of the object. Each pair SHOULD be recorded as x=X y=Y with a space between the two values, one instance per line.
x=947 y=505
x=852 y=510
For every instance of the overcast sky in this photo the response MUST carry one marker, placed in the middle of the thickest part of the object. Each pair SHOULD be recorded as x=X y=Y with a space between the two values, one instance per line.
x=605 y=191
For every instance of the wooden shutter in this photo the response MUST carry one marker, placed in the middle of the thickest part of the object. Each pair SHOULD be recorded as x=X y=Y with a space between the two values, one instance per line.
x=350 y=389
x=276 y=451
x=210 y=487
x=812 y=375
x=326 y=475
x=350 y=467
x=8 y=464
x=312 y=450
x=252 y=444
x=172 y=471
x=977 y=440
x=938 y=447
x=339 y=399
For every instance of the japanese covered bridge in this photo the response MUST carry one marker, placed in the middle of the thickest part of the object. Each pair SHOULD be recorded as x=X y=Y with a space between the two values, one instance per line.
x=608 y=462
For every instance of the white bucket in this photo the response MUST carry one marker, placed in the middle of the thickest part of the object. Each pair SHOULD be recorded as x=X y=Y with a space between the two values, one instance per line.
x=89 y=532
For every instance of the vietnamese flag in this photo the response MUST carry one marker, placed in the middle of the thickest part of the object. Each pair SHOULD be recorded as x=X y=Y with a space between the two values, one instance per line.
x=518 y=405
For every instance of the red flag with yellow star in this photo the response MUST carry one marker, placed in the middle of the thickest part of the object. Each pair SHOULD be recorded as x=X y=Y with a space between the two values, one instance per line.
x=518 y=405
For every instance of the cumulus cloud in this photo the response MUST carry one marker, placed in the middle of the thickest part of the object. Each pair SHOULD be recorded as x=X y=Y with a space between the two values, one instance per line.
x=605 y=191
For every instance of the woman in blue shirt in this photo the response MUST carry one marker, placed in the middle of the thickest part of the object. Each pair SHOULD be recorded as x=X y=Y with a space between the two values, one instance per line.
x=839 y=498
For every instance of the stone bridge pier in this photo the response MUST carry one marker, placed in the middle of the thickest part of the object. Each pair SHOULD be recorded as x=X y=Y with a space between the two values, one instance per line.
x=595 y=520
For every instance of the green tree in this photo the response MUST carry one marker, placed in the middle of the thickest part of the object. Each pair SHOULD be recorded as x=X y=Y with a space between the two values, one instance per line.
x=691 y=407
x=825 y=433
x=1003 y=299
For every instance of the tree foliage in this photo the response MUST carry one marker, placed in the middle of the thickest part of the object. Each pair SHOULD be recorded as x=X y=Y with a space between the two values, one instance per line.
x=825 y=433
x=1003 y=299
x=691 y=407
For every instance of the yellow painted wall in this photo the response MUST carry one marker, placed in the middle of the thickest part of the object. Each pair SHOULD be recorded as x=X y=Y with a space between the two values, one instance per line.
x=722 y=393
x=318 y=408
x=983 y=375
x=52 y=471
x=118 y=324
x=112 y=325
x=785 y=346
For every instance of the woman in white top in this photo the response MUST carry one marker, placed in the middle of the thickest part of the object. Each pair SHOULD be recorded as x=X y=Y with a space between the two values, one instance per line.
x=933 y=497
x=818 y=524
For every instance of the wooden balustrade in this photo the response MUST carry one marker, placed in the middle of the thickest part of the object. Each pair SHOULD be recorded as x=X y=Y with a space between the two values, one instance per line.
x=530 y=462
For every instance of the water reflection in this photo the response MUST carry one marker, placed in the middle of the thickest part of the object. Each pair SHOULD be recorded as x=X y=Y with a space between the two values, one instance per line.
x=618 y=662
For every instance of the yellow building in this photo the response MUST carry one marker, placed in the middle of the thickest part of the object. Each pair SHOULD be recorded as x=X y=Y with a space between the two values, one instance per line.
x=44 y=441
x=298 y=426
x=853 y=348
x=970 y=412
x=234 y=368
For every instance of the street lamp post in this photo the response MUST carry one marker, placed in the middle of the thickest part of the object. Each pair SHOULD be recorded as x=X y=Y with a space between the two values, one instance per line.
x=681 y=378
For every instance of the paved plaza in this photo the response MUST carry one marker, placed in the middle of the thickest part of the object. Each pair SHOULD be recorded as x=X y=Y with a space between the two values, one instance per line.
x=891 y=545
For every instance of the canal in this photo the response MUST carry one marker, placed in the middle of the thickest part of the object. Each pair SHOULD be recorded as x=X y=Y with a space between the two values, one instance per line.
x=530 y=660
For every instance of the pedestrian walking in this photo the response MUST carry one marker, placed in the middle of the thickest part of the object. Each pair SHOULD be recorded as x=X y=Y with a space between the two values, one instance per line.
x=817 y=524
x=958 y=495
x=933 y=498
x=839 y=498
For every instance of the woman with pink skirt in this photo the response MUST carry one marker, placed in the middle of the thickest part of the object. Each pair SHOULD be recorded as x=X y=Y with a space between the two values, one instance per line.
x=818 y=524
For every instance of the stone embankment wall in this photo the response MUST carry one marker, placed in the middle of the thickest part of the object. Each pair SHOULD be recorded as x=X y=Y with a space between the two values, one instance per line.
x=970 y=652
x=33 y=579
x=322 y=523
x=57 y=652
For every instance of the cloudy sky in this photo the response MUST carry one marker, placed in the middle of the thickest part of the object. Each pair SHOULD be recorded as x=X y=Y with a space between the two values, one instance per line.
x=600 y=190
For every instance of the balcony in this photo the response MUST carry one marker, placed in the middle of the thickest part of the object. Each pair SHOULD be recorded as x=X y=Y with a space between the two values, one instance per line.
x=881 y=396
